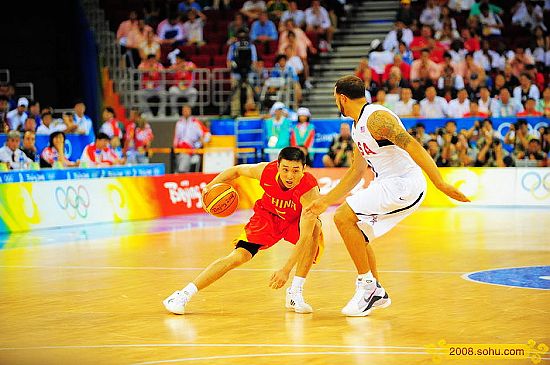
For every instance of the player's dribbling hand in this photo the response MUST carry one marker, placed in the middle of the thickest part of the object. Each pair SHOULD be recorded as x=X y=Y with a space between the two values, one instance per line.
x=278 y=279
x=317 y=207
x=453 y=192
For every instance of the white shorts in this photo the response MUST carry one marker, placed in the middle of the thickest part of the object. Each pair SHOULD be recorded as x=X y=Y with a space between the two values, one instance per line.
x=386 y=202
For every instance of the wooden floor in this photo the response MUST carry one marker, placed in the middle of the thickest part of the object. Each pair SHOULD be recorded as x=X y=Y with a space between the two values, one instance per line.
x=77 y=298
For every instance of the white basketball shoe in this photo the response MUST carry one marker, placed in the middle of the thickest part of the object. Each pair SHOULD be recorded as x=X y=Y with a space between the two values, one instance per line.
x=176 y=302
x=368 y=296
x=295 y=301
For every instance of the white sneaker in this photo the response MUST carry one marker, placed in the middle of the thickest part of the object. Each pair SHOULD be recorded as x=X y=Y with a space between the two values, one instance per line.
x=367 y=297
x=295 y=301
x=176 y=302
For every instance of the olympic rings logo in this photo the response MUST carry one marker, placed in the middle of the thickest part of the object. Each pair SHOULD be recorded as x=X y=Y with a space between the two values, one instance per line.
x=73 y=201
x=68 y=148
x=533 y=181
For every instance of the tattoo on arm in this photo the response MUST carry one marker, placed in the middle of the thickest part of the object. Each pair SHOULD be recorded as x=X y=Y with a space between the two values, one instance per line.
x=383 y=125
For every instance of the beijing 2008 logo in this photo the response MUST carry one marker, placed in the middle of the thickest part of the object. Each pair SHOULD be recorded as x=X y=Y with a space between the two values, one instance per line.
x=537 y=184
x=74 y=201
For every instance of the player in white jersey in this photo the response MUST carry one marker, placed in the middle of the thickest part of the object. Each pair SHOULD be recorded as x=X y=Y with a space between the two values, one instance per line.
x=398 y=187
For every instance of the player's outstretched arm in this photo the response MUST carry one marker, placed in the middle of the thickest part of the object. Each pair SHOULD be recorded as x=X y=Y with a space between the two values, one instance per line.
x=350 y=179
x=253 y=171
x=383 y=125
x=304 y=246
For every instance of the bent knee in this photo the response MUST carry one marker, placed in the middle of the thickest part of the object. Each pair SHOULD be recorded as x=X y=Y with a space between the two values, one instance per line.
x=344 y=215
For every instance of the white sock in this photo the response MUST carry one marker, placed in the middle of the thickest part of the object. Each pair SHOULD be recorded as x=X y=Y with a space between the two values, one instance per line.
x=366 y=279
x=190 y=290
x=297 y=284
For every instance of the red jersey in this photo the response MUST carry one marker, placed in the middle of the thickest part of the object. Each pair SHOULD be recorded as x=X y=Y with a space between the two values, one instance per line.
x=283 y=203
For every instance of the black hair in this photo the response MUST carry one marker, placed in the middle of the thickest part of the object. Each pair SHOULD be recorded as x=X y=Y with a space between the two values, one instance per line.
x=292 y=154
x=102 y=135
x=110 y=110
x=451 y=121
x=522 y=121
x=351 y=86
x=55 y=134
x=280 y=57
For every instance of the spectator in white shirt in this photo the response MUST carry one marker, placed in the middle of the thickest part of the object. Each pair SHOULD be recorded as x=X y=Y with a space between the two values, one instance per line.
x=433 y=106
x=11 y=154
x=526 y=89
x=460 y=5
x=84 y=123
x=378 y=58
x=171 y=32
x=48 y=125
x=485 y=101
x=318 y=21
x=297 y=15
x=404 y=106
x=506 y=106
x=459 y=106
x=400 y=33
x=253 y=8
x=193 y=28
x=430 y=14
x=487 y=58
x=17 y=117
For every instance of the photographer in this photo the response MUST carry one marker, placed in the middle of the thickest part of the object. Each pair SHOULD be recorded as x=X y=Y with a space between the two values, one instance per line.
x=518 y=136
x=491 y=153
x=340 y=152
x=241 y=58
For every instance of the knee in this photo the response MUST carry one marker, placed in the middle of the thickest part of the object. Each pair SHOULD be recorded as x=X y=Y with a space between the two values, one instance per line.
x=342 y=215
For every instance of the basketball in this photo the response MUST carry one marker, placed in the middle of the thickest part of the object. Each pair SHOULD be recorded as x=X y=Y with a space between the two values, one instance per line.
x=221 y=200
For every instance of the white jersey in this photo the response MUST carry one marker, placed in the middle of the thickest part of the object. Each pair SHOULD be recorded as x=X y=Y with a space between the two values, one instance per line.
x=385 y=158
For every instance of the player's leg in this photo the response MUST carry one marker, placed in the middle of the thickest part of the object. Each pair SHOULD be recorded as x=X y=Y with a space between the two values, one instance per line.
x=243 y=252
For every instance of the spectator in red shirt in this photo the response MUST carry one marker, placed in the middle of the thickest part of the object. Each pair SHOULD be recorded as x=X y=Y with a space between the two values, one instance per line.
x=471 y=44
x=54 y=154
x=111 y=126
x=99 y=153
x=474 y=111
x=425 y=40
x=138 y=139
x=182 y=83
x=397 y=61
x=530 y=110
x=152 y=85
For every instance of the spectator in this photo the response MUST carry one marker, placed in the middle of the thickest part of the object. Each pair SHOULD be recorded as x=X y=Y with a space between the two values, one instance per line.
x=430 y=13
x=543 y=104
x=193 y=27
x=473 y=86
x=253 y=8
x=474 y=111
x=277 y=129
x=471 y=42
x=111 y=126
x=446 y=35
x=125 y=27
x=485 y=101
x=499 y=83
x=30 y=125
x=459 y=106
x=135 y=39
x=416 y=114
x=445 y=17
x=99 y=153
x=425 y=69
x=34 y=112
x=299 y=47
x=11 y=154
x=29 y=145
x=182 y=83
x=399 y=34
x=381 y=98
x=454 y=152
x=296 y=62
x=526 y=89
x=303 y=133
x=237 y=24
x=475 y=10
x=545 y=141
x=423 y=41
x=48 y=125
x=276 y=8
x=151 y=12
x=4 y=109
x=491 y=23
x=433 y=106
x=68 y=123
x=534 y=153
x=393 y=86
x=403 y=108
x=406 y=14
x=419 y=133
x=16 y=117
x=297 y=15
x=340 y=152
x=491 y=153
x=150 y=46
x=186 y=6
x=189 y=134
x=518 y=136
x=82 y=121
x=318 y=21
x=405 y=53
x=506 y=106
x=418 y=89
x=397 y=62
x=510 y=80
x=251 y=110
x=263 y=31
x=518 y=60
x=435 y=152
x=54 y=155
x=378 y=59
x=116 y=147
x=242 y=59
x=469 y=67
x=152 y=85
x=537 y=78
x=530 y=109
x=488 y=59
x=171 y=31
x=288 y=75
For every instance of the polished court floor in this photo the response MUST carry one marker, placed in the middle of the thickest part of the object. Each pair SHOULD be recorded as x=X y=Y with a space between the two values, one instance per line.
x=93 y=295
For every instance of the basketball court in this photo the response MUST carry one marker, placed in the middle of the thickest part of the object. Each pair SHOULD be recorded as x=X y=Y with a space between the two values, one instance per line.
x=93 y=295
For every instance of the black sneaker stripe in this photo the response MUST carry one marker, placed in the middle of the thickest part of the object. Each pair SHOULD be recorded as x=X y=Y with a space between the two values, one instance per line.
x=371 y=302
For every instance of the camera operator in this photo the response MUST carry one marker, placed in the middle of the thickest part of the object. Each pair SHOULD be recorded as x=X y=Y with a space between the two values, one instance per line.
x=518 y=136
x=241 y=59
x=491 y=153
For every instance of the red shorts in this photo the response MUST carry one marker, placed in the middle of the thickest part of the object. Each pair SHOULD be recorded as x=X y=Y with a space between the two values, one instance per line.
x=266 y=229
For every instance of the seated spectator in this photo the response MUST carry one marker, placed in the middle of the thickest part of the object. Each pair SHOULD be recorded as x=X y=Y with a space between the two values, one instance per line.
x=510 y=80
x=29 y=145
x=125 y=27
x=400 y=33
x=537 y=78
x=277 y=129
x=318 y=21
x=299 y=50
x=425 y=69
x=471 y=42
x=111 y=126
x=474 y=111
x=491 y=23
x=149 y=46
x=287 y=73
x=446 y=35
x=68 y=123
x=418 y=89
x=518 y=60
x=295 y=62
x=297 y=15
x=430 y=13
x=488 y=59
x=171 y=31
x=397 y=62
x=446 y=17
x=251 y=110
x=433 y=106
x=416 y=111
x=276 y=8
x=48 y=125
x=30 y=125
x=234 y=26
x=340 y=152
x=485 y=101
x=116 y=146
x=491 y=153
x=543 y=104
x=186 y=6
x=499 y=83
x=82 y=121
x=303 y=133
x=16 y=117
x=449 y=80
x=54 y=154
x=393 y=87
x=193 y=27
x=11 y=154
x=263 y=30
x=419 y=133
x=381 y=99
x=473 y=86
x=405 y=53
x=34 y=112
x=189 y=134
x=530 y=109
x=469 y=67
x=378 y=59
x=435 y=152
x=403 y=108
x=423 y=41
x=181 y=84
x=252 y=9
x=506 y=106
x=475 y=10
x=526 y=89
x=152 y=85
x=99 y=153
x=534 y=153
x=518 y=136
x=459 y=106
x=136 y=37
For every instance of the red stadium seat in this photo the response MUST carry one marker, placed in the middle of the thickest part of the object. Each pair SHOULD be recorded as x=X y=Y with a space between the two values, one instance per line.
x=188 y=49
x=209 y=49
x=220 y=61
x=201 y=60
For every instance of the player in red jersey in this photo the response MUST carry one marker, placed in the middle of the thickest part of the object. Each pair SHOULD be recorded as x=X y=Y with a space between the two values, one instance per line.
x=277 y=215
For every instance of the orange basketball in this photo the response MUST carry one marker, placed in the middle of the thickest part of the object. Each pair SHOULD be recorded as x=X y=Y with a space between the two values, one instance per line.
x=220 y=200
